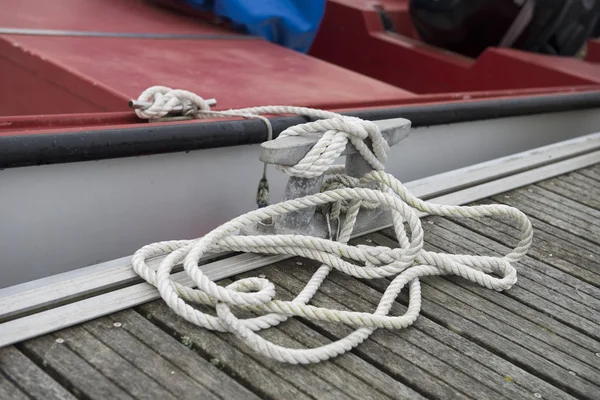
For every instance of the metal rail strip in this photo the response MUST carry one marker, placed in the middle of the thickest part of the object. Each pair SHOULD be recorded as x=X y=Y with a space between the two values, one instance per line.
x=126 y=35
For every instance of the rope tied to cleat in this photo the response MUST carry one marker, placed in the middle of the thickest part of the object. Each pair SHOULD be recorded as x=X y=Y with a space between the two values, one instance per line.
x=341 y=197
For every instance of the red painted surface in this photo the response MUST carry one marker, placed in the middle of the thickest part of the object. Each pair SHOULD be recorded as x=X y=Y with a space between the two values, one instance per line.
x=41 y=86
x=38 y=93
x=138 y=16
x=238 y=73
x=593 y=51
x=52 y=124
x=352 y=35
x=70 y=83
x=85 y=74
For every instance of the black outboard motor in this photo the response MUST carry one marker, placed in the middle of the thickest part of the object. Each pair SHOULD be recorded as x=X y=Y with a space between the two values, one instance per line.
x=468 y=27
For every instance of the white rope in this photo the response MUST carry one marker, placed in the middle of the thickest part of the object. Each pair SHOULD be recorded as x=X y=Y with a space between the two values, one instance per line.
x=407 y=264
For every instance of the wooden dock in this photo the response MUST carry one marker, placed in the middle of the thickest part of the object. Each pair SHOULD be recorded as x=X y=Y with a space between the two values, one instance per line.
x=541 y=339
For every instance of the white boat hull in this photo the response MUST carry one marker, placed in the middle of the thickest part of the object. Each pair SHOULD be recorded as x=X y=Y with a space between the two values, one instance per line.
x=65 y=216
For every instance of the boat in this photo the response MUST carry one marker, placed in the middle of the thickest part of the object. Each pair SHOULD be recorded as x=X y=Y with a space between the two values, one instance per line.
x=87 y=183
x=78 y=148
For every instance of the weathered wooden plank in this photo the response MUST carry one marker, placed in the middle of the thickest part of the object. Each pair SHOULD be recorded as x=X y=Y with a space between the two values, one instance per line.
x=348 y=363
x=584 y=221
x=456 y=316
x=523 y=303
x=113 y=365
x=582 y=224
x=560 y=364
x=349 y=383
x=184 y=358
x=219 y=349
x=588 y=248
x=508 y=373
x=565 y=190
x=288 y=334
x=376 y=350
x=515 y=314
x=541 y=292
x=562 y=201
x=437 y=371
x=536 y=259
x=590 y=173
x=485 y=314
x=562 y=221
x=582 y=181
x=545 y=297
x=9 y=391
x=559 y=203
x=456 y=351
x=569 y=353
x=573 y=249
x=490 y=234
x=583 y=184
x=567 y=246
x=559 y=282
x=373 y=377
x=160 y=371
x=553 y=299
x=539 y=357
x=571 y=191
x=77 y=374
x=548 y=248
x=316 y=380
x=31 y=378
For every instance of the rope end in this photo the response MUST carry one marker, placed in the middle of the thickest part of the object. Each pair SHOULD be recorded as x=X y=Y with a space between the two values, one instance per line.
x=262 y=194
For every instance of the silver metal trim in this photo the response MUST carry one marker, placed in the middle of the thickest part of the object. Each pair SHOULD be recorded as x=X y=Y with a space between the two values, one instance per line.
x=125 y=35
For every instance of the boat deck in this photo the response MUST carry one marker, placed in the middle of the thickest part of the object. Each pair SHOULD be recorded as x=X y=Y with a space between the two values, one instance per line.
x=541 y=339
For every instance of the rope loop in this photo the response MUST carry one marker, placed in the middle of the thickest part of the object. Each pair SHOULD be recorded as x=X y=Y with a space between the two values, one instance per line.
x=341 y=198
x=164 y=100
x=334 y=134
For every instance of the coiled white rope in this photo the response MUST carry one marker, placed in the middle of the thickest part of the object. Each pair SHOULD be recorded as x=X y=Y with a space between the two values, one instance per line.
x=408 y=263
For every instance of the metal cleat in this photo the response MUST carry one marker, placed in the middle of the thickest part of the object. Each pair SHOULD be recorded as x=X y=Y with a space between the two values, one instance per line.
x=289 y=151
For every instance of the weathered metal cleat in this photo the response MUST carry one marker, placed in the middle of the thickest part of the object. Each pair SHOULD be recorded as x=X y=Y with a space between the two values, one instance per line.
x=288 y=151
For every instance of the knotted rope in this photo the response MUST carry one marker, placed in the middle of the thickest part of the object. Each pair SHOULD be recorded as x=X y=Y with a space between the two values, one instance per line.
x=408 y=263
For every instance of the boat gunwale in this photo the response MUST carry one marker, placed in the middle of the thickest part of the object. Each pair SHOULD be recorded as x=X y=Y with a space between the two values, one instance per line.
x=81 y=144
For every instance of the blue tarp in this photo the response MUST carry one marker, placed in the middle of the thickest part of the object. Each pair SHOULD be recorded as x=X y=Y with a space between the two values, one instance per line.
x=290 y=23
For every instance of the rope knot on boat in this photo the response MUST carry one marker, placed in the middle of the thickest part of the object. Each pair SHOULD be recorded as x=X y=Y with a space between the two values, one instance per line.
x=163 y=101
x=344 y=198
x=333 y=136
